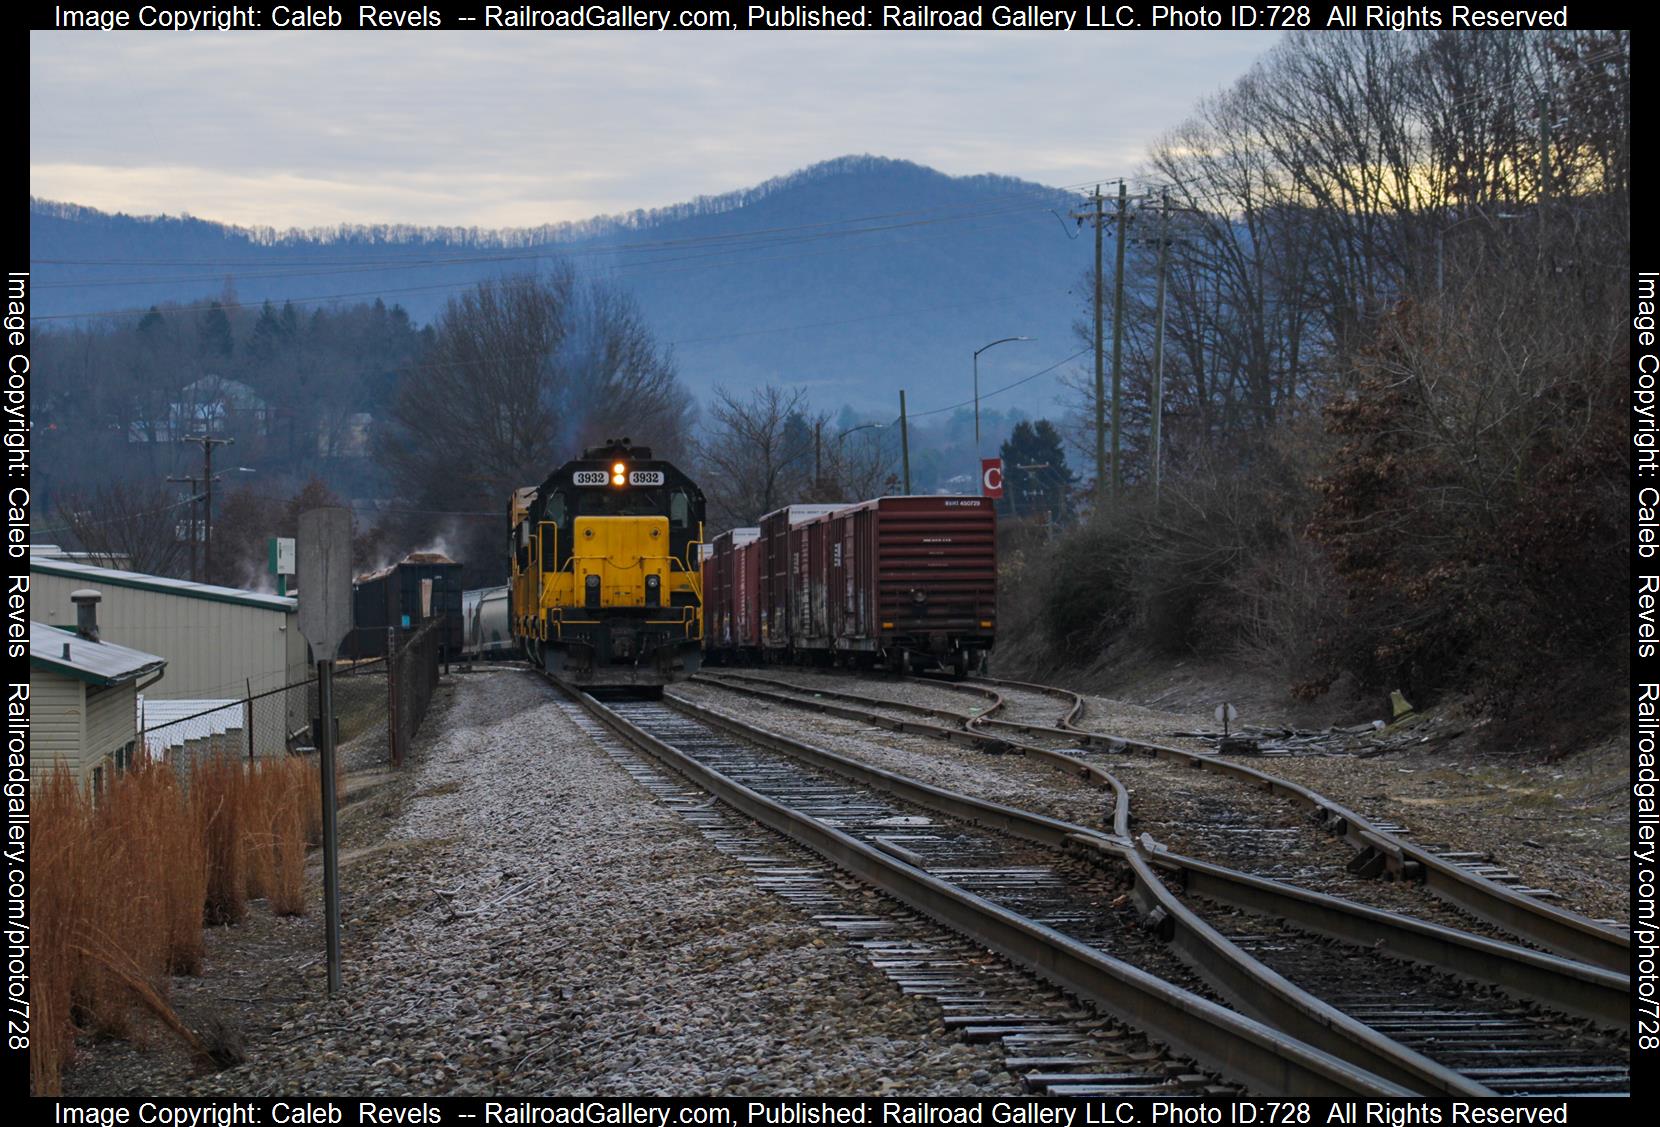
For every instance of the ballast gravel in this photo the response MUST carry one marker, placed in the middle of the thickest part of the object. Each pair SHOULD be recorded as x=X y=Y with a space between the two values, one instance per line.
x=534 y=922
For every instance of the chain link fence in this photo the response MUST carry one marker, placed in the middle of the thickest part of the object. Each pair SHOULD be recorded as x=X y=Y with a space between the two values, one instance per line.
x=413 y=664
x=392 y=694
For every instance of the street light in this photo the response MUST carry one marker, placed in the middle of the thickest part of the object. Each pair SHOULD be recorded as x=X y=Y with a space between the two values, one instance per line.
x=861 y=426
x=977 y=352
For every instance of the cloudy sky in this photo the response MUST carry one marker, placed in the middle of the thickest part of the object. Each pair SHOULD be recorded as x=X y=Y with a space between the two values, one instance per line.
x=518 y=129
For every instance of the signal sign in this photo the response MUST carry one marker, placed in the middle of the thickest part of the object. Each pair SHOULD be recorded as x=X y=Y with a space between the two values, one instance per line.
x=991 y=477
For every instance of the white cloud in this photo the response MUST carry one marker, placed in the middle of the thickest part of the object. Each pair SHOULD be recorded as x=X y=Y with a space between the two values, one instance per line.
x=488 y=129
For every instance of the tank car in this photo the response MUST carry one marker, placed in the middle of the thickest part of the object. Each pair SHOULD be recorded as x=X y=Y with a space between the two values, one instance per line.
x=485 y=621
x=607 y=581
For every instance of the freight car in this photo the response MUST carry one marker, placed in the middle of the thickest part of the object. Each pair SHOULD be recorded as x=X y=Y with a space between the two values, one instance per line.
x=488 y=635
x=781 y=578
x=907 y=582
x=731 y=620
x=420 y=586
x=607 y=582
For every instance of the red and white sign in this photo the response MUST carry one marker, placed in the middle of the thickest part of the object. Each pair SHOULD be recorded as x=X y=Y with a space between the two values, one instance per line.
x=991 y=477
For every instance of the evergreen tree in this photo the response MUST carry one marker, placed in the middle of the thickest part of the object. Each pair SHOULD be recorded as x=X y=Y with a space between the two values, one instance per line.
x=215 y=332
x=1036 y=478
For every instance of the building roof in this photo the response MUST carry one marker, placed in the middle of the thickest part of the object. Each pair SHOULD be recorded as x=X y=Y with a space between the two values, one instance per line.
x=97 y=663
x=109 y=577
x=170 y=723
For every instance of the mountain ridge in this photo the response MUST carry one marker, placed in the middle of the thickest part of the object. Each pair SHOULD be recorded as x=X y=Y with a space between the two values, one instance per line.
x=853 y=276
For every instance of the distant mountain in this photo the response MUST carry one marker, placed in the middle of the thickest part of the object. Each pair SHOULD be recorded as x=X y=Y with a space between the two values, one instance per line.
x=854 y=277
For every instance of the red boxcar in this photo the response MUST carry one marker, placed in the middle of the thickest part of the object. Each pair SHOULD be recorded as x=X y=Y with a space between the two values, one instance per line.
x=746 y=602
x=912 y=580
x=782 y=574
x=721 y=584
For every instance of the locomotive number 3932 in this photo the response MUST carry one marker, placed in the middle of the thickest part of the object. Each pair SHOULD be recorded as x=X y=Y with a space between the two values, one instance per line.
x=590 y=477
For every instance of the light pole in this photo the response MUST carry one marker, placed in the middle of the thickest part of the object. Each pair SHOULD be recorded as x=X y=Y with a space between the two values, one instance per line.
x=977 y=352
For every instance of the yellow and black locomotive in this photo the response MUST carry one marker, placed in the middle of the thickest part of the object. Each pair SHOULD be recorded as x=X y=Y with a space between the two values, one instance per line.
x=607 y=589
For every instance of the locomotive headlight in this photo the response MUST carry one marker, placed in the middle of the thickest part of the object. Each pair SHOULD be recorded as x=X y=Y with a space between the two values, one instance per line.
x=619 y=471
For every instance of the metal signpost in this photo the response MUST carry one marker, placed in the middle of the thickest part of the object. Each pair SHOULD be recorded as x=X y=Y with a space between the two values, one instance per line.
x=1226 y=714
x=324 y=568
x=280 y=560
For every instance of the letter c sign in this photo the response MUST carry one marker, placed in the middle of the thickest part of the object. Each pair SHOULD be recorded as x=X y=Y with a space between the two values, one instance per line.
x=991 y=477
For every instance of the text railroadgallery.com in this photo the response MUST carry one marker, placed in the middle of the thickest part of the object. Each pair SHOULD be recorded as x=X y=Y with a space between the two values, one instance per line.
x=1098 y=1111
x=1645 y=666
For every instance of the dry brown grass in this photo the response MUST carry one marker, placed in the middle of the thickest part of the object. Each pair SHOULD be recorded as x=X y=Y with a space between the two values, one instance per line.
x=278 y=811
x=120 y=889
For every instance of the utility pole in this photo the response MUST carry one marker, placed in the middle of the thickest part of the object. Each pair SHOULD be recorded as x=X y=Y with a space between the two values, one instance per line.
x=1119 y=238
x=1158 y=343
x=905 y=442
x=194 y=497
x=207 y=443
x=1542 y=105
x=1100 y=378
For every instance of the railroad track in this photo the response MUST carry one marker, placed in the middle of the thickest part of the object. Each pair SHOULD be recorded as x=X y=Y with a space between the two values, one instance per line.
x=1049 y=1042
x=1267 y=826
x=933 y=850
x=1470 y=883
x=1442 y=941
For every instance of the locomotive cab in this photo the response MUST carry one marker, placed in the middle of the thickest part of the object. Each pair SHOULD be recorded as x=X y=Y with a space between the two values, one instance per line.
x=607 y=579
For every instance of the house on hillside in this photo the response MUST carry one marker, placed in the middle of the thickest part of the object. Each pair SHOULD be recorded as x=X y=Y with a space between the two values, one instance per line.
x=211 y=405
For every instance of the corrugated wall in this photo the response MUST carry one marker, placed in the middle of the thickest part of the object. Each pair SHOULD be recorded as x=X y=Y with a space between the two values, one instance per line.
x=213 y=649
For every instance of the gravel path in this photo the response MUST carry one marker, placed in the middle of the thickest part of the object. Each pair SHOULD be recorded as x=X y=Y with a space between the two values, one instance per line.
x=535 y=922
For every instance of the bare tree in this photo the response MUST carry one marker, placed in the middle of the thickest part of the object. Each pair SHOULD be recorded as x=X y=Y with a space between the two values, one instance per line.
x=134 y=527
x=855 y=465
x=758 y=453
x=522 y=374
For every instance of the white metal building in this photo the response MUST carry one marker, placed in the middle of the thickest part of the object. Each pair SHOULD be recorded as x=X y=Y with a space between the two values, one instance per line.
x=219 y=642
x=83 y=705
